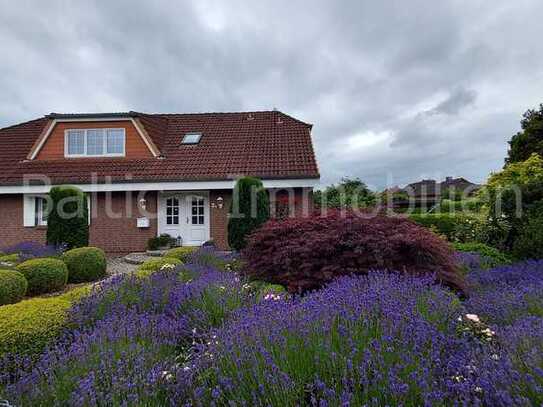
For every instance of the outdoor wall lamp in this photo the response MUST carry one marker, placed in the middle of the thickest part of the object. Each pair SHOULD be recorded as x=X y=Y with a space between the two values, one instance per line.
x=220 y=202
x=143 y=204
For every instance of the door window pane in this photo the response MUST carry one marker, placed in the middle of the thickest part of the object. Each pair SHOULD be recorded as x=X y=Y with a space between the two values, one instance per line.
x=172 y=211
x=197 y=211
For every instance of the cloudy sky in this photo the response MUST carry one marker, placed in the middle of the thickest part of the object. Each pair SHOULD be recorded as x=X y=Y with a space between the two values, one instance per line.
x=396 y=90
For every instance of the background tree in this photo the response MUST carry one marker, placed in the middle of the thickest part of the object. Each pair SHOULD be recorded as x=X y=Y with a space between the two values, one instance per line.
x=67 y=218
x=250 y=208
x=530 y=139
x=515 y=199
x=349 y=193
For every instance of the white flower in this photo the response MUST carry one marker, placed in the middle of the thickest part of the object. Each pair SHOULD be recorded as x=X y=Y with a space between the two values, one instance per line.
x=272 y=296
x=186 y=368
x=167 y=266
x=495 y=357
x=473 y=317
x=488 y=332
x=246 y=286
x=478 y=390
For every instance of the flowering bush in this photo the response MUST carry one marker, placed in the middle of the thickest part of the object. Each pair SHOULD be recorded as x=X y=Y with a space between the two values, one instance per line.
x=304 y=254
x=381 y=339
x=124 y=337
x=489 y=256
x=201 y=336
x=31 y=250
x=507 y=293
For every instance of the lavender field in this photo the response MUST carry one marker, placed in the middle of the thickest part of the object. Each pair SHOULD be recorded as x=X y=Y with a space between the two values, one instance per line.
x=200 y=335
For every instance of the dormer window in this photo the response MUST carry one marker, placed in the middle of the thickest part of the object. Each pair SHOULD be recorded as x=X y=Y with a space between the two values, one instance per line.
x=191 y=138
x=95 y=143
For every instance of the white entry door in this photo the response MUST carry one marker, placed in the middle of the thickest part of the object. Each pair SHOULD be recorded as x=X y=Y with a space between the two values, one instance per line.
x=185 y=215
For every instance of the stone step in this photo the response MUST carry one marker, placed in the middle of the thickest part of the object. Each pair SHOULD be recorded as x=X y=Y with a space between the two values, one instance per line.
x=136 y=258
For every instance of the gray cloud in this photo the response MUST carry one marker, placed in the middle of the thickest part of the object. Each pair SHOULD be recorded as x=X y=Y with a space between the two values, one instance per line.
x=395 y=90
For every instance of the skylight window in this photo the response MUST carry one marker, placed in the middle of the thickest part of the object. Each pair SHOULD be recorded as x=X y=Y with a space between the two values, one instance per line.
x=191 y=138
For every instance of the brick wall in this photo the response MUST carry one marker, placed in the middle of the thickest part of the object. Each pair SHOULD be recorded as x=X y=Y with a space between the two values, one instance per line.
x=117 y=233
x=114 y=221
x=219 y=217
x=12 y=230
x=302 y=201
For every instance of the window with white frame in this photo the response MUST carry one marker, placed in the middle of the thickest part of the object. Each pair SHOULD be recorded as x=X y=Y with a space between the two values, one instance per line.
x=191 y=138
x=40 y=211
x=95 y=143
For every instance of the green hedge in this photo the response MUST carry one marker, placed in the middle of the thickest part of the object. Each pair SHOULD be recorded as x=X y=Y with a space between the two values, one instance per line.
x=455 y=227
x=44 y=275
x=249 y=210
x=68 y=218
x=30 y=325
x=85 y=264
x=181 y=253
x=9 y=258
x=152 y=265
x=13 y=286
x=529 y=242
x=490 y=256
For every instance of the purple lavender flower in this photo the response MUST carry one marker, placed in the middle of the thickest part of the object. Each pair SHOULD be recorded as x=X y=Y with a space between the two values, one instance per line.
x=30 y=250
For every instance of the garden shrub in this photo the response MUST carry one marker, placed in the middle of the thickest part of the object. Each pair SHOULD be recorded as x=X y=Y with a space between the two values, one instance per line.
x=181 y=253
x=490 y=256
x=9 y=258
x=85 y=264
x=30 y=325
x=158 y=242
x=457 y=227
x=153 y=265
x=304 y=254
x=31 y=250
x=67 y=221
x=529 y=241
x=250 y=209
x=13 y=286
x=44 y=275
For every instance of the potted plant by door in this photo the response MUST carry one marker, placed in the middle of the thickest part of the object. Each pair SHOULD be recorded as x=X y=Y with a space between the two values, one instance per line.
x=162 y=242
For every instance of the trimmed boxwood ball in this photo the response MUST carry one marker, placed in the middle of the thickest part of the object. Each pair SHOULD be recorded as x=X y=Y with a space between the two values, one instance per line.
x=306 y=253
x=181 y=253
x=44 y=275
x=13 y=287
x=85 y=264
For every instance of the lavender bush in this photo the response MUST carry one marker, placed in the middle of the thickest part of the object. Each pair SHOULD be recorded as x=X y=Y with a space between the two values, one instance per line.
x=197 y=335
x=30 y=250
x=123 y=337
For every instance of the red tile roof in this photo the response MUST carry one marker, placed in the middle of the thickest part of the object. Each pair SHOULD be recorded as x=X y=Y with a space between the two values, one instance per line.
x=266 y=144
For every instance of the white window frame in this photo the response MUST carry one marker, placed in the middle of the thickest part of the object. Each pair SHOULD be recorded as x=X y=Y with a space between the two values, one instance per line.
x=104 y=140
x=189 y=134
x=39 y=218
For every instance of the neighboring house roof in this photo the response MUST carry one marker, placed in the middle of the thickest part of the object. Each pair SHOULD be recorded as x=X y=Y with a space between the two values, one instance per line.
x=429 y=187
x=267 y=144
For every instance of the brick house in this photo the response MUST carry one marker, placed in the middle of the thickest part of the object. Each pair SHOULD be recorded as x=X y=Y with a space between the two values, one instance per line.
x=148 y=174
